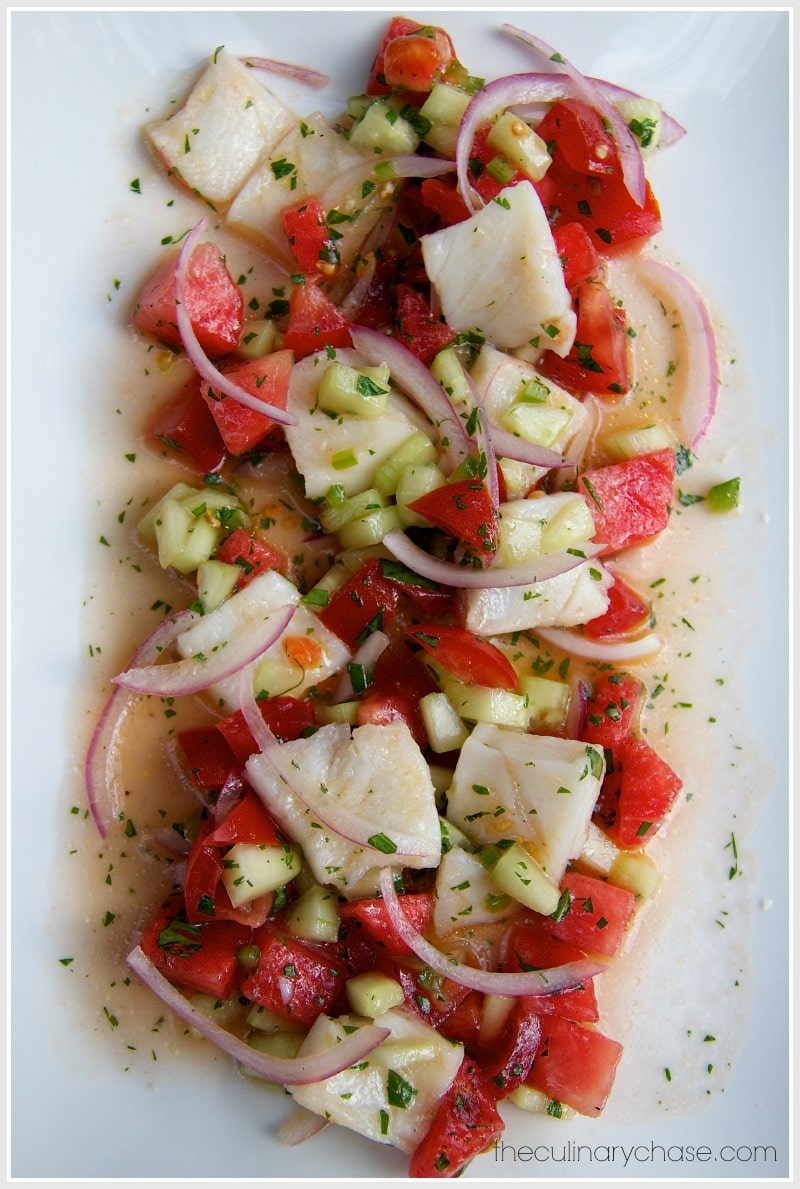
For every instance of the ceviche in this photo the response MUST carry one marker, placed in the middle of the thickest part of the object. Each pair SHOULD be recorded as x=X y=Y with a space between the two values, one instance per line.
x=401 y=495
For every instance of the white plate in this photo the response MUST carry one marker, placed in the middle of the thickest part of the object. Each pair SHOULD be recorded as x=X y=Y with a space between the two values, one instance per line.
x=82 y=83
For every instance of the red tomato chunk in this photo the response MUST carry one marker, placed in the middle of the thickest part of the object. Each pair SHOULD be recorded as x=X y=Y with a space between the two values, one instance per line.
x=214 y=301
x=295 y=979
x=642 y=788
x=465 y=655
x=267 y=379
x=196 y=958
x=184 y=431
x=630 y=501
x=465 y=1124
x=598 y=915
x=370 y=919
x=575 y=1066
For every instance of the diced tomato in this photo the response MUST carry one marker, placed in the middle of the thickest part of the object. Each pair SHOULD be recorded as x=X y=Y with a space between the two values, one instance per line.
x=370 y=919
x=627 y=612
x=398 y=683
x=198 y=958
x=207 y=757
x=511 y=1058
x=205 y=895
x=597 y=917
x=613 y=709
x=429 y=995
x=314 y=322
x=429 y=596
x=287 y=717
x=409 y=66
x=393 y=705
x=529 y=946
x=248 y=821
x=580 y=133
x=630 y=500
x=267 y=379
x=295 y=979
x=481 y=180
x=642 y=790
x=575 y=1066
x=417 y=327
x=586 y=184
x=465 y=1123
x=309 y=238
x=364 y=602
x=465 y=655
x=214 y=302
x=598 y=359
x=442 y=197
x=253 y=554
x=464 y=1023
x=184 y=431
x=577 y=254
x=464 y=510
x=414 y=61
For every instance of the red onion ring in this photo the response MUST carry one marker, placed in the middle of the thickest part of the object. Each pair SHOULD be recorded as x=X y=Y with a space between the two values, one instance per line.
x=601 y=650
x=419 y=384
x=490 y=982
x=550 y=565
x=300 y=74
x=105 y=738
x=578 y=706
x=286 y=1071
x=301 y=1125
x=196 y=673
x=701 y=384
x=195 y=353
x=510 y=445
x=406 y=166
x=630 y=155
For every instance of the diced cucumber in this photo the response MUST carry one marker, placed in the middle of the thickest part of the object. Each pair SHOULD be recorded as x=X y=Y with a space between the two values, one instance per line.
x=636 y=873
x=527 y=1098
x=334 y=516
x=314 y=916
x=361 y=392
x=381 y=131
x=250 y=870
x=371 y=994
x=357 y=105
x=444 y=107
x=265 y=1020
x=519 y=477
x=599 y=852
x=643 y=117
x=623 y=444
x=184 y=540
x=479 y=703
x=274 y=1044
x=414 y=482
x=451 y=835
x=216 y=580
x=346 y=712
x=536 y=423
x=518 y=874
x=446 y=367
x=548 y=700
x=224 y=1012
x=520 y=145
x=445 y=730
x=146 y=527
x=369 y=529
x=416 y=449
x=520 y=536
x=258 y=338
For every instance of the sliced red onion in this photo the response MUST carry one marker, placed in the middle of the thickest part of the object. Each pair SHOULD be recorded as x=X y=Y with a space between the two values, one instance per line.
x=300 y=74
x=263 y=736
x=101 y=757
x=701 y=381
x=195 y=353
x=419 y=384
x=496 y=97
x=510 y=445
x=630 y=154
x=285 y=1071
x=393 y=169
x=301 y=1125
x=578 y=706
x=539 y=569
x=196 y=673
x=491 y=982
x=228 y=796
x=600 y=650
x=366 y=657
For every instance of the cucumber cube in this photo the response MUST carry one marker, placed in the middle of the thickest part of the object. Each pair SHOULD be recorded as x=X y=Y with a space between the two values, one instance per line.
x=445 y=730
x=371 y=994
x=216 y=580
x=381 y=131
x=314 y=916
x=518 y=874
x=345 y=389
x=536 y=423
x=518 y=142
x=250 y=870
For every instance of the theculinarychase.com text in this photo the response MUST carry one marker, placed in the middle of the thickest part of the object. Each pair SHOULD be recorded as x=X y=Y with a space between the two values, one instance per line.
x=642 y=1153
